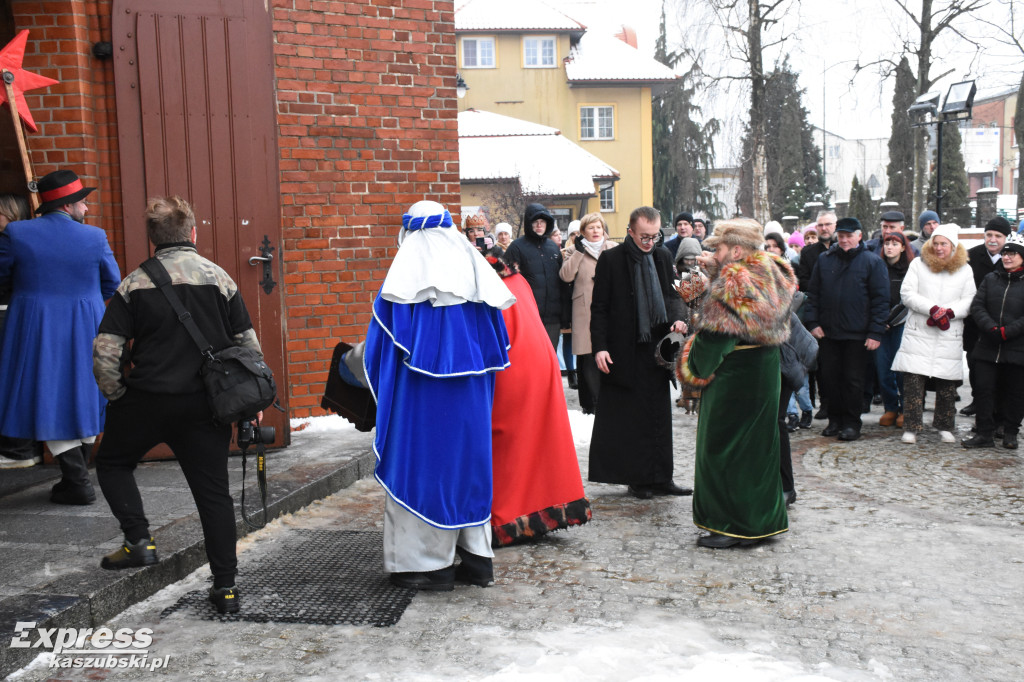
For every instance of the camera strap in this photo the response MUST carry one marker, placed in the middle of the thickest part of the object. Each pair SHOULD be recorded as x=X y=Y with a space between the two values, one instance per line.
x=162 y=279
x=261 y=481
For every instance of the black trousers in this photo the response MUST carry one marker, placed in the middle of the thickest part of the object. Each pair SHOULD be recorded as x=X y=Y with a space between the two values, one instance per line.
x=588 y=378
x=998 y=384
x=842 y=365
x=138 y=422
x=785 y=452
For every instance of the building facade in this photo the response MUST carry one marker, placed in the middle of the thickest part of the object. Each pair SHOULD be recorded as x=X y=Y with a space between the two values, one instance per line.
x=529 y=61
x=299 y=130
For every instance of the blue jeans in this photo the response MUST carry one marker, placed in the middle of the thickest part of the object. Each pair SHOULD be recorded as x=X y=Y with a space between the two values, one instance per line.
x=890 y=383
x=801 y=399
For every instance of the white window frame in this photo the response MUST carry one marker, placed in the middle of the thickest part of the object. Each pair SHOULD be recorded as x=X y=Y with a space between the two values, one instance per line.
x=541 y=58
x=606 y=197
x=479 y=41
x=594 y=113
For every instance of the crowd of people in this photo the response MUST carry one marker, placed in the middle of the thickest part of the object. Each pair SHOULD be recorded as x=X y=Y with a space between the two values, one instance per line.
x=755 y=324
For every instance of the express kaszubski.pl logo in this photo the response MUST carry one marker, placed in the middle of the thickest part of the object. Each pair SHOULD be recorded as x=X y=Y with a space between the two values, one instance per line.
x=88 y=648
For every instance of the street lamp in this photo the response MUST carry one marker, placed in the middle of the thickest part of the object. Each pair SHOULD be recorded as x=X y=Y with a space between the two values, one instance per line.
x=957 y=107
x=460 y=86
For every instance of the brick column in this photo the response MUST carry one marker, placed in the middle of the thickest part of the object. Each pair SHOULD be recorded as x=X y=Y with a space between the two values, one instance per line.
x=986 y=210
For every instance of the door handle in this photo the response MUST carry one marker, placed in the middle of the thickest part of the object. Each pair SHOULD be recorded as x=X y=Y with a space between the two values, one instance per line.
x=266 y=257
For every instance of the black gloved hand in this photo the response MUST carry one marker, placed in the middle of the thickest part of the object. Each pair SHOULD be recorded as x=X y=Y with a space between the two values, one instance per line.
x=578 y=242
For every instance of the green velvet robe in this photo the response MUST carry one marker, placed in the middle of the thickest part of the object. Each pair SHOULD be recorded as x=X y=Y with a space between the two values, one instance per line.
x=737 y=485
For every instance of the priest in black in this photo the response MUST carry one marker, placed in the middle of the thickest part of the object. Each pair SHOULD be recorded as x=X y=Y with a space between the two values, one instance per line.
x=634 y=306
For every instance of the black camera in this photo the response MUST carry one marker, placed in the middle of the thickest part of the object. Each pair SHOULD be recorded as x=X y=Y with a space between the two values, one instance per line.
x=249 y=433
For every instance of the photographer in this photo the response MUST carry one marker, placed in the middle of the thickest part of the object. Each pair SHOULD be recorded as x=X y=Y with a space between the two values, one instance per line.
x=162 y=398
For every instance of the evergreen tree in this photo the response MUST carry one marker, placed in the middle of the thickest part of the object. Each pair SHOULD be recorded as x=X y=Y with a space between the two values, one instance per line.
x=793 y=159
x=684 y=151
x=901 y=141
x=862 y=206
x=955 y=187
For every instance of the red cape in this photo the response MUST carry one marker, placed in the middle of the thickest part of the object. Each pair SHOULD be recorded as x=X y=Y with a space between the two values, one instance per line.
x=537 y=482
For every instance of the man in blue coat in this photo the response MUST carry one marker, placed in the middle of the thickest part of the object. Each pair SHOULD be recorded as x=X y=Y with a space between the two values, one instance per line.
x=60 y=271
x=847 y=306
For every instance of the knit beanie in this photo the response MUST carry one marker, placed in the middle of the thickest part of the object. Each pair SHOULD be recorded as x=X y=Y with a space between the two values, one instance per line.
x=925 y=217
x=950 y=231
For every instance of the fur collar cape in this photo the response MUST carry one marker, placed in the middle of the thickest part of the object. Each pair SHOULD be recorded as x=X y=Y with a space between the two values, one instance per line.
x=749 y=299
x=936 y=265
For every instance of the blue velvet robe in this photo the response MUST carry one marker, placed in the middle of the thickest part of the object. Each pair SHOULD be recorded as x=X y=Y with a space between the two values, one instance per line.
x=431 y=371
x=61 y=272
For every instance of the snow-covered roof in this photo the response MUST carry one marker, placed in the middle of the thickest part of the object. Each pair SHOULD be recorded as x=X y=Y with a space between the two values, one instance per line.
x=473 y=123
x=544 y=162
x=521 y=15
x=607 y=59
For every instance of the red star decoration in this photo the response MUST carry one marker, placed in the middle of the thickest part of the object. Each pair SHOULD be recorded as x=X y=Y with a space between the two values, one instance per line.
x=10 y=60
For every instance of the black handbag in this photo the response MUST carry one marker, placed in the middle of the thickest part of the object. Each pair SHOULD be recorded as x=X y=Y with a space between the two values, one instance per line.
x=239 y=384
x=897 y=315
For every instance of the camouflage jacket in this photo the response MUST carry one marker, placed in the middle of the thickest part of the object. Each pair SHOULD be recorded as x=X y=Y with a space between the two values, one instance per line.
x=141 y=343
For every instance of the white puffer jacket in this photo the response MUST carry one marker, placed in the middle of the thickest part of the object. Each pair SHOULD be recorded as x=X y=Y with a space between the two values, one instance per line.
x=925 y=350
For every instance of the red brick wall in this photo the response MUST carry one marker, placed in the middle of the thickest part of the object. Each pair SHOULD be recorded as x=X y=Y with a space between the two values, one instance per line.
x=76 y=118
x=367 y=126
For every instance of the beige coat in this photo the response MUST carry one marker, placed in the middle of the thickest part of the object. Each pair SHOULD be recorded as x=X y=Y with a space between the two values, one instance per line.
x=578 y=268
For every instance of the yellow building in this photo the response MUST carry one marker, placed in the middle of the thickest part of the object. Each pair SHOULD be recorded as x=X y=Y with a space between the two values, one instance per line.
x=528 y=61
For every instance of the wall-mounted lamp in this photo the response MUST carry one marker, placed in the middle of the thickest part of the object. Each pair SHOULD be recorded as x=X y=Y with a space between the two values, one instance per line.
x=460 y=86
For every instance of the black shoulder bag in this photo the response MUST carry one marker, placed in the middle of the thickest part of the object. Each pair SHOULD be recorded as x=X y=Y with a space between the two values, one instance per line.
x=239 y=384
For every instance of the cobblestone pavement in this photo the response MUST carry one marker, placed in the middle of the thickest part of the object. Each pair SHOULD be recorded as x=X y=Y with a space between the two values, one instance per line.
x=902 y=563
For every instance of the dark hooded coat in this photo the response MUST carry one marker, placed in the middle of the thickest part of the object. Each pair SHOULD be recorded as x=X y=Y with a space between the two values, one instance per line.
x=538 y=260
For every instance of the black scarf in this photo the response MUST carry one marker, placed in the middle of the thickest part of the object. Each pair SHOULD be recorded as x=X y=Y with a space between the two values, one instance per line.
x=650 y=304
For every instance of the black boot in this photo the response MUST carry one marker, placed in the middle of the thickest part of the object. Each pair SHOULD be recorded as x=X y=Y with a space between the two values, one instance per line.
x=573 y=384
x=805 y=419
x=74 y=486
x=474 y=569
x=792 y=423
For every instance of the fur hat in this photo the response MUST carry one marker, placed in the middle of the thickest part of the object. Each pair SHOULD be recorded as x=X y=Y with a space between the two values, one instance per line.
x=998 y=224
x=950 y=231
x=1015 y=242
x=737 y=232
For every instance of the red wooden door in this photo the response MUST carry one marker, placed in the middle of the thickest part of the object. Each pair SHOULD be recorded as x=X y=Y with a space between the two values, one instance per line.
x=194 y=83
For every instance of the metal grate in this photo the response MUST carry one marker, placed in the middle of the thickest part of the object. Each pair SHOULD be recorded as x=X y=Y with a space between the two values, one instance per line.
x=318 y=577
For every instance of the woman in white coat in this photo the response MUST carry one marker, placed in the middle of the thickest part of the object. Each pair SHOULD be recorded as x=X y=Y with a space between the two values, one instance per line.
x=938 y=291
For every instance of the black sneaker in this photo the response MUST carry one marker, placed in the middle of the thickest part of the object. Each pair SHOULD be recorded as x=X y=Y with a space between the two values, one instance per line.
x=978 y=441
x=805 y=419
x=142 y=553
x=225 y=599
x=792 y=422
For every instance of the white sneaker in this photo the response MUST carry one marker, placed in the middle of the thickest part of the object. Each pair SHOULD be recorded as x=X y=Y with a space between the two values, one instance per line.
x=947 y=437
x=909 y=437
x=10 y=463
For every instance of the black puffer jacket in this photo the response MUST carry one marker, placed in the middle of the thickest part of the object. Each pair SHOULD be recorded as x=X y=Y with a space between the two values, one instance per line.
x=998 y=311
x=539 y=260
x=848 y=295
